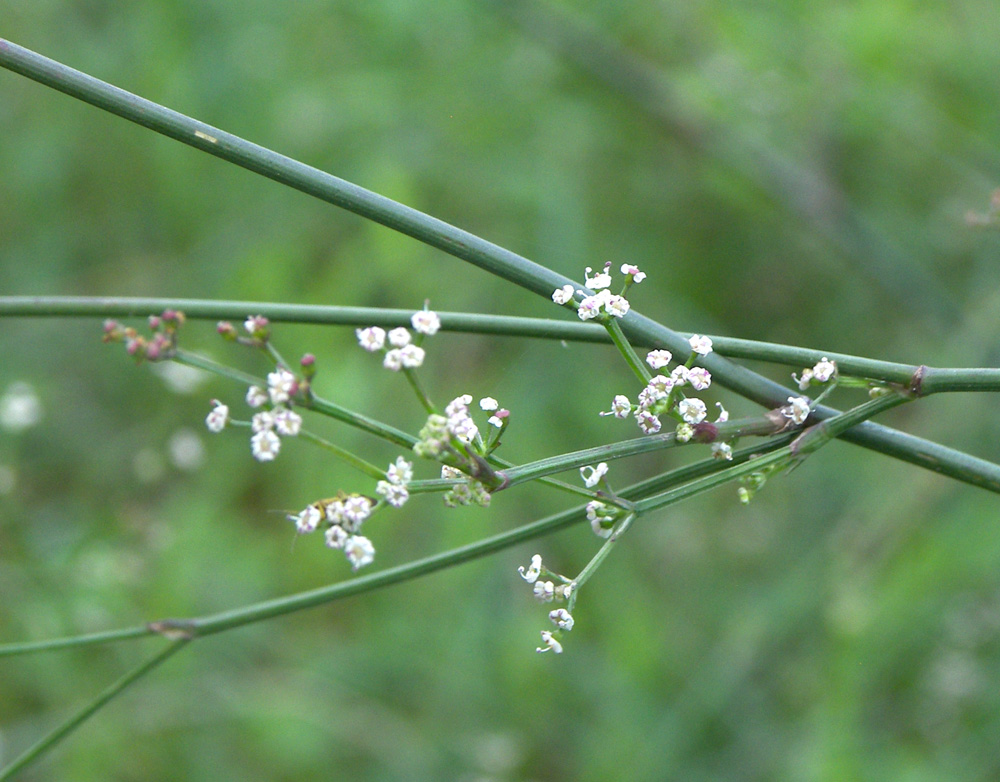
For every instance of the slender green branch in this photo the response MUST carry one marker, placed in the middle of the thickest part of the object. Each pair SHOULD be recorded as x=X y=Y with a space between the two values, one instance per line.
x=360 y=421
x=182 y=628
x=729 y=430
x=462 y=244
x=602 y=553
x=344 y=455
x=47 y=742
x=8 y=650
x=701 y=485
x=628 y=352
x=944 y=379
x=209 y=365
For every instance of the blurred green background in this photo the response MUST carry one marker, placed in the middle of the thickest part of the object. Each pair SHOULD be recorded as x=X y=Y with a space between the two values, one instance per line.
x=788 y=171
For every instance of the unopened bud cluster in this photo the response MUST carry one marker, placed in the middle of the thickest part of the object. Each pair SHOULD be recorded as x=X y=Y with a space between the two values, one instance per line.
x=160 y=345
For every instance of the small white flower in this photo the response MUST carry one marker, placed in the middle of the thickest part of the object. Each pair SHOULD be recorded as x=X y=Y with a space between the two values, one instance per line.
x=684 y=433
x=544 y=591
x=744 y=494
x=804 y=381
x=620 y=407
x=531 y=573
x=335 y=511
x=637 y=276
x=598 y=281
x=265 y=445
x=262 y=421
x=400 y=471
x=336 y=536
x=601 y=518
x=699 y=378
x=722 y=451
x=308 y=520
x=460 y=404
x=824 y=370
x=426 y=322
x=723 y=414
x=617 y=306
x=489 y=404
x=359 y=551
x=592 y=475
x=287 y=422
x=216 y=420
x=659 y=387
x=255 y=323
x=451 y=473
x=396 y=494
x=797 y=409
x=281 y=385
x=590 y=307
x=393 y=360
x=692 y=410
x=648 y=423
x=357 y=508
x=411 y=356
x=551 y=644
x=256 y=396
x=371 y=338
x=563 y=591
x=679 y=375
x=496 y=421
x=657 y=359
x=562 y=619
x=700 y=345
x=464 y=428
x=563 y=295
x=399 y=337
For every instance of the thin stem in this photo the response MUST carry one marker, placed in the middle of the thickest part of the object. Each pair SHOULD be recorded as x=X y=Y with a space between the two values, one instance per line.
x=360 y=421
x=701 y=485
x=937 y=379
x=628 y=353
x=411 y=378
x=743 y=427
x=47 y=742
x=412 y=570
x=208 y=365
x=9 y=650
x=344 y=455
x=602 y=553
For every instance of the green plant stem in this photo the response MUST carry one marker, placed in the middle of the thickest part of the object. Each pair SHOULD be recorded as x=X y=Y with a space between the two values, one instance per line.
x=743 y=427
x=346 y=456
x=461 y=244
x=937 y=380
x=208 y=365
x=9 y=650
x=628 y=352
x=602 y=553
x=46 y=743
x=415 y=569
x=414 y=381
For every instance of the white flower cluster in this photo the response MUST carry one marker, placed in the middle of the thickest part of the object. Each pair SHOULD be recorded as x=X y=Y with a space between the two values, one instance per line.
x=824 y=371
x=277 y=419
x=547 y=591
x=394 y=488
x=344 y=516
x=663 y=393
x=402 y=352
x=602 y=303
